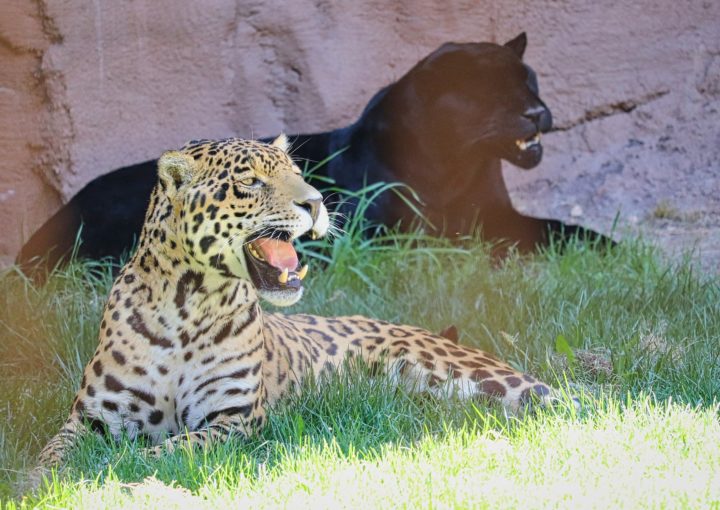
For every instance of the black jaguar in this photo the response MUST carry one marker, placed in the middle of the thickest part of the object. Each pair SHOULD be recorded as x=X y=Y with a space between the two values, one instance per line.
x=442 y=129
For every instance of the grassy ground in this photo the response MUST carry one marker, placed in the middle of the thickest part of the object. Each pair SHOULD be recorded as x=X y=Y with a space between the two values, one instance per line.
x=638 y=338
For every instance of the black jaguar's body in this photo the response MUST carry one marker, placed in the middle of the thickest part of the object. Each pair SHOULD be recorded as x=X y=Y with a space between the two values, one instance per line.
x=442 y=129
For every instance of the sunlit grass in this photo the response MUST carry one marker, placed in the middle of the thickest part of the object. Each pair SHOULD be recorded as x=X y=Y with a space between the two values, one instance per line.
x=637 y=455
x=636 y=335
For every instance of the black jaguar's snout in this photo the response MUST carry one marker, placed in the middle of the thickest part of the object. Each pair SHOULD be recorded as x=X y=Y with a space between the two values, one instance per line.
x=311 y=205
x=534 y=113
x=540 y=116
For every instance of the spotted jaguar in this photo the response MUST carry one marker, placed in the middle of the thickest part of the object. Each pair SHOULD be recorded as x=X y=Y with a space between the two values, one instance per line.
x=186 y=353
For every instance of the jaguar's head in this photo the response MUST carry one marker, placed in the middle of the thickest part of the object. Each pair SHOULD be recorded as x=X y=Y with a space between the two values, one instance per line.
x=483 y=97
x=235 y=206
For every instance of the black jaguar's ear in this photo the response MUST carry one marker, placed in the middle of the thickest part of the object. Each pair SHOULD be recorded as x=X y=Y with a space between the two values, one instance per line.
x=175 y=169
x=518 y=45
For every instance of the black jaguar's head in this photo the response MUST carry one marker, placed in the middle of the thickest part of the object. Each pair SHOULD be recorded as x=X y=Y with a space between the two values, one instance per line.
x=482 y=96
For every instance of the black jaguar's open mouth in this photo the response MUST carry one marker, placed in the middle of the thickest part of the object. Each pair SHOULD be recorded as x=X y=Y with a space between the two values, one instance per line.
x=273 y=263
x=525 y=153
x=528 y=143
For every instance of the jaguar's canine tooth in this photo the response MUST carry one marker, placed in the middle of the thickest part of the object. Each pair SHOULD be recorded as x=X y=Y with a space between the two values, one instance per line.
x=303 y=272
x=255 y=253
x=283 y=278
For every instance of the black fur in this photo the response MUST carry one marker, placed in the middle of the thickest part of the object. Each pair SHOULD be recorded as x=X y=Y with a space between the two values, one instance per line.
x=442 y=129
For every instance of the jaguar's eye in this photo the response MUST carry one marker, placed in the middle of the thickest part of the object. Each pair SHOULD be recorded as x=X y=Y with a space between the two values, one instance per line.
x=251 y=182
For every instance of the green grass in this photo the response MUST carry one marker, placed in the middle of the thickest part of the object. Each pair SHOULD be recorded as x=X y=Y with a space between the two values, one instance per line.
x=637 y=336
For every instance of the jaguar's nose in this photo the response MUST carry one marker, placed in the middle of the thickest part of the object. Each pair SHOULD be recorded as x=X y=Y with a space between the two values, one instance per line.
x=540 y=116
x=534 y=114
x=312 y=206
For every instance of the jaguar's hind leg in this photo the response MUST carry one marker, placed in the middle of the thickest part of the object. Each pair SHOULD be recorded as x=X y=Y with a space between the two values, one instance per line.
x=436 y=365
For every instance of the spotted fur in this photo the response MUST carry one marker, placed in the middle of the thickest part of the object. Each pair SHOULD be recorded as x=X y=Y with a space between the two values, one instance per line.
x=186 y=353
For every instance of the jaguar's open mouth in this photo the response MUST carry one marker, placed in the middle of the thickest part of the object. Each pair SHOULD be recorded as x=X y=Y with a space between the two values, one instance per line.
x=273 y=263
x=528 y=143
x=525 y=153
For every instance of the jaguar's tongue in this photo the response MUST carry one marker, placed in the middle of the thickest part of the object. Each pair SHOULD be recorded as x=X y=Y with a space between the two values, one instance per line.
x=279 y=254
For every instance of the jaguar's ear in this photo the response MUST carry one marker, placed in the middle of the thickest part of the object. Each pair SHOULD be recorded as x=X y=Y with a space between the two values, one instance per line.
x=175 y=170
x=518 y=45
x=281 y=142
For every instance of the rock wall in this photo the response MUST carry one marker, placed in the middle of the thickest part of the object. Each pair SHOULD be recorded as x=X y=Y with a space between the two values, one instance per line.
x=90 y=86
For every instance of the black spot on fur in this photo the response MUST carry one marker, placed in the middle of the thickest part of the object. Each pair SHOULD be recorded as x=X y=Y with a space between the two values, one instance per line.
x=138 y=326
x=238 y=374
x=492 y=387
x=118 y=357
x=366 y=326
x=229 y=411
x=513 y=382
x=184 y=415
x=399 y=333
x=97 y=426
x=339 y=328
x=112 y=384
x=434 y=381
x=221 y=194
x=212 y=211
x=252 y=315
x=480 y=374
x=223 y=333
x=143 y=395
x=541 y=390
x=188 y=283
x=206 y=242
x=97 y=368
x=489 y=360
x=110 y=406
x=155 y=417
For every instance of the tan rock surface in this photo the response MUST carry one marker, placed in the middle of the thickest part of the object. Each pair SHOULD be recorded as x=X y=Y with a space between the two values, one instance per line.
x=91 y=86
